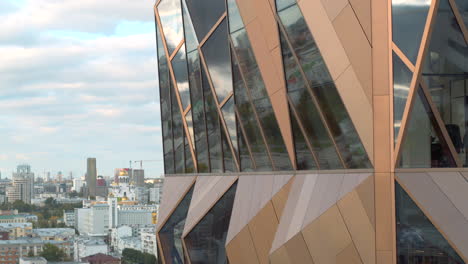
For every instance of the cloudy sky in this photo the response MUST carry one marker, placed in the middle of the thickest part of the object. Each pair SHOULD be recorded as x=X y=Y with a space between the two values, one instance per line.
x=78 y=79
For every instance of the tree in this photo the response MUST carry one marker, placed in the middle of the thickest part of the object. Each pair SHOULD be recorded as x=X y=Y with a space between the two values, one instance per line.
x=52 y=253
x=132 y=256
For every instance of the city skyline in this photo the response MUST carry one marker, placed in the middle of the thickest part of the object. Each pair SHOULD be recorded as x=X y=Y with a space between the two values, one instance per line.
x=78 y=85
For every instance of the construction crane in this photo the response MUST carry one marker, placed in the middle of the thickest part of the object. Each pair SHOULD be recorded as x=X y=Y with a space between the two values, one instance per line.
x=141 y=162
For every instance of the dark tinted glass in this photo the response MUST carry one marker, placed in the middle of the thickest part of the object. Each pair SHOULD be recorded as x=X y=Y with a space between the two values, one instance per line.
x=170 y=13
x=165 y=100
x=409 y=19
x=424 y=146
x=205 y=14
x=179 y=65
x=230 y=118
x=308 y=115
x=206 y=242
x=249 y=122
x=229 y=165
x=171 y=233
x=198 y=111
x=346 y=138
x=235 y=20
x=213 y=129
x=463 y=9
x=445 y=72
x=418 y=240
x=218 y=60
x=191 y=41
x=401 y=85
x=189 y=168
x=260 y=99
x=244 y=154
x=304 y=46
x=178 y=132
x=304 y=158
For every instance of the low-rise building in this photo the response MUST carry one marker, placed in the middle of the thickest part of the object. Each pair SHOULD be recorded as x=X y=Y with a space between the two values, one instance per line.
x=128 y=242
x=12 y=250
x=101 y=259
x=69 y=218
x=87 y=246
x=59 y=234
x=148 y=242
x=17 y=230
x=32 y=260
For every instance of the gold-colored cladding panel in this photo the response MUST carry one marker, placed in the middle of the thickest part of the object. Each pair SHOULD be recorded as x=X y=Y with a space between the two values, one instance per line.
x=366 y=194
x=382 y=127
x=241 y=249
x=349 y=255
x=362 y=9
x=281 y=197
x=359 y=226
x=263 y=228
x=333 y=7
x=262 y=31
x=384 y=213
x=357 y=47
x=327 y=236
x=293 y=252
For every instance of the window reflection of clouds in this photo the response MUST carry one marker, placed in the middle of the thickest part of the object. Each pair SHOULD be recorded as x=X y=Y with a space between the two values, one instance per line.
x=230 y=118
x=171 y=20
x=218 y=60
x=179 y=64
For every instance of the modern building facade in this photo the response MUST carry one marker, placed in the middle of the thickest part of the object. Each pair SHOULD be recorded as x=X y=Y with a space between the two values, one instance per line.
x=23 y=185
x=313 y=131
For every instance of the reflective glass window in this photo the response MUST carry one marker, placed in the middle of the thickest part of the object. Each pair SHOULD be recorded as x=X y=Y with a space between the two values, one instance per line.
x=463 y=9
x=445 y=72
x=336 y=116
x=189 y=168
x=260 y=99
x=171 y=233
x=205 y=14
x=213 y=128
x=408 y=22
x=418 y=240
x=188 y=119
x=235 y=19
x=178 y=132
x=244 y=154
x=206 y=242
x=170 y=13
x=229 y=165
x=304 y=158
x=230 y=118
x=165 y=103
x=424 y=146
x=179 y=65
x=249 y=122
x=341 y=127
x=308 y=115
x=304 y=46
x=218 y=60
x=282 y=4
x=191 y=41
x=198 y=111
x=401 y=85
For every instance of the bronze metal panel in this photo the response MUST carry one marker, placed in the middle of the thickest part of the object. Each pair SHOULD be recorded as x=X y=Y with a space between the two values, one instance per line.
x=357 y=47
x=362 y=9
x=382 y=139
x=334 y=7
x=384 y=213
x=366 y=192
x=241 y=249
x=359 y=226
x=349 y=255
x=263 y=228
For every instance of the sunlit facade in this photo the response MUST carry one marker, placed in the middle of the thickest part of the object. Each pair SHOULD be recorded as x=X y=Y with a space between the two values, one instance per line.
x=313 y=131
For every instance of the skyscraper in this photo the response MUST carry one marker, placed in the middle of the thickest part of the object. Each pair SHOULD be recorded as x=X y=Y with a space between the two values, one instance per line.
x=313 y=131
x=23 y=184
x=91 y=176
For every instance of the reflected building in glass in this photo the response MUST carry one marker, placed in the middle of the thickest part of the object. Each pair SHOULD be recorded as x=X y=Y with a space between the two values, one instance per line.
x=313 y=131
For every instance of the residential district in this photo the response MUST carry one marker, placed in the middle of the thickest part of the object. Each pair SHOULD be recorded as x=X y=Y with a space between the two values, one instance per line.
x=91 y=219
